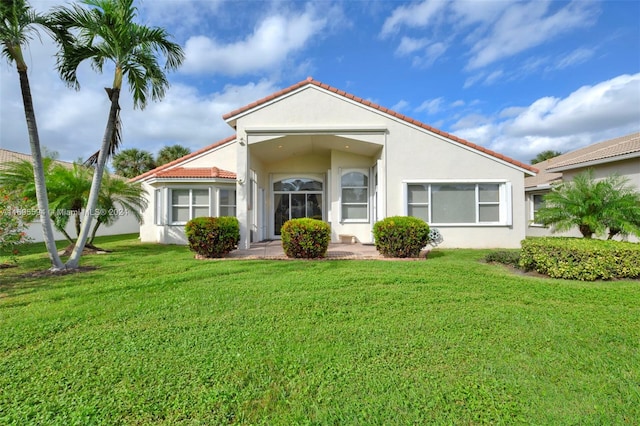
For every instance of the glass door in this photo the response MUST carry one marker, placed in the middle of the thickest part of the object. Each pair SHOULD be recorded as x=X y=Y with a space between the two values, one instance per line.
x=295 y=198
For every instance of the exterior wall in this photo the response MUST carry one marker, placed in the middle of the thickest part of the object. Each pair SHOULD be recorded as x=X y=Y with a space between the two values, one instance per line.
x=126 y=224
x=408 y=153
x=166 y=232
x=361 y=231
x=628 y=168
x=223 y=157
x=415 y=155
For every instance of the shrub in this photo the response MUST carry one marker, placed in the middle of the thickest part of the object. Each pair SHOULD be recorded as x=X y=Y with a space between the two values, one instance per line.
x=305 y=238
x=401 y=236
x=213 y=236
x=581 y=259
x=12 y=223
x=511 y=258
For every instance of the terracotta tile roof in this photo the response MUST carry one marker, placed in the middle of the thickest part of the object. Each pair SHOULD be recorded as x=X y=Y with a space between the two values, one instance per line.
x=196 y=173
x=311 y=81
x=154 y=172
x=599 y=152
x=606 y=151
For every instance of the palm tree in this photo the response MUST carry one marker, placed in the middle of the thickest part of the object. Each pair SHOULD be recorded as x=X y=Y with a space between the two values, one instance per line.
x=118 y=198
x=545 y=155
x=170 y=153
x=69 y=188
x=132 y=162
x=592 y=206
x=17 y=21
x=106 y=32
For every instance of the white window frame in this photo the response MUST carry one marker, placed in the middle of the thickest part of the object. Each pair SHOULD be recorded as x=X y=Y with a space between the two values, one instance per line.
x=532 y=221
x=366 y=204
x=158 y=213
x=218 y=204
x=504 y=200
x=191 y=205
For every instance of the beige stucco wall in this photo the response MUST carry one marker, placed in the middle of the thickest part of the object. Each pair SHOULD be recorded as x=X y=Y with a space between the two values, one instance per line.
x=406 y=153
x=125 y=224
x=629 y=168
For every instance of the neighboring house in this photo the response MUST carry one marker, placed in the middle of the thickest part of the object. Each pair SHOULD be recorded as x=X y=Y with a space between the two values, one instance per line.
x=616 y=156
x=126 y=224
x=312 y=150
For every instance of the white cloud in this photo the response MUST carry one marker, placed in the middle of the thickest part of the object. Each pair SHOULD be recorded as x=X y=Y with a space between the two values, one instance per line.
x=576 y=57
x=609 y=104
x=409 y=45
x=492 y=31
x=400 y=106
x=267 y=48
x=414 y=15
x=590 y=114
x=431 y=106
x=523 y=26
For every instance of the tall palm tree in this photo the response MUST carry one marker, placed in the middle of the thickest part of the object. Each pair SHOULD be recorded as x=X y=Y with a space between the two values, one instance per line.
x=17 y=26
x=132 y=162
x=106 y=32
x=170 y=153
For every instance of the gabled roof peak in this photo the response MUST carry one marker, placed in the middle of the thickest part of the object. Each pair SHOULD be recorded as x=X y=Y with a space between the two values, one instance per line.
x=310 y=81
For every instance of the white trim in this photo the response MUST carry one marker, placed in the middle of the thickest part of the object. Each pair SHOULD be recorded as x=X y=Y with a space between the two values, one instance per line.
x=505 y=202
x=366 y=173
x=595 y=162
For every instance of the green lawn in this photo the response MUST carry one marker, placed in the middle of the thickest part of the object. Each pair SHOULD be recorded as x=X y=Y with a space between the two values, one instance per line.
x=154 y=336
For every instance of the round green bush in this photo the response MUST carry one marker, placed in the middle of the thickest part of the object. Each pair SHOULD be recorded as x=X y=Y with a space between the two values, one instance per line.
x=401 y=236
x=305 y=238
x=213 y=236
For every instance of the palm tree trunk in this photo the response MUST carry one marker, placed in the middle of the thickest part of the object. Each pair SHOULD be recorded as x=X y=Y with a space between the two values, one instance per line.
x=38 y=170
x=93 y=233
x=74 y=259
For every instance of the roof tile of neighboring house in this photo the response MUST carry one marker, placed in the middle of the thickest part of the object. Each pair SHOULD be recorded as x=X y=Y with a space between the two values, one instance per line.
x=196 y=173
x=544 y=177
x=168 y=166
x=609 y=150
x=7 y=156
x=365 y=102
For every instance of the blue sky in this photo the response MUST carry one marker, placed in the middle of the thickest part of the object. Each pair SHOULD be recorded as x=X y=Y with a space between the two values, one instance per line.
x=515 y=77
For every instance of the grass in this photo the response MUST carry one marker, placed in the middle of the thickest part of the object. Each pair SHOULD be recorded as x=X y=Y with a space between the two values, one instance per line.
x=154 y=336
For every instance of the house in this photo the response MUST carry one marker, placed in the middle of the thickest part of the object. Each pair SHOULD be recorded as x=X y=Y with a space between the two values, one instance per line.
x=126 y=224
x=312 y=150
x=616 y=156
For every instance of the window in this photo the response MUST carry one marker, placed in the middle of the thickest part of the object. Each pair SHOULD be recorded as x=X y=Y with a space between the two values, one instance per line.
x=536 y=203
x=157 y=213
x=227 y=202
x=355 y=196
x=189 y=203
x=458 y=203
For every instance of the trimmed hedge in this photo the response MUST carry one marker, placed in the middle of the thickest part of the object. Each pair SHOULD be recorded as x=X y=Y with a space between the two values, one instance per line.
x=511 y=258
x=305 y=238
x=213 y=236
x=580 y=258
x=401 y=236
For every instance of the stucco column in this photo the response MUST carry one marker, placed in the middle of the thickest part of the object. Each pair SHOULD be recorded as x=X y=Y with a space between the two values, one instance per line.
x=242 y=190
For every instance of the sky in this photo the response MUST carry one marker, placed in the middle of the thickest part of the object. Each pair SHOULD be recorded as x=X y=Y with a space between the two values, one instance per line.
x=515 y=77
